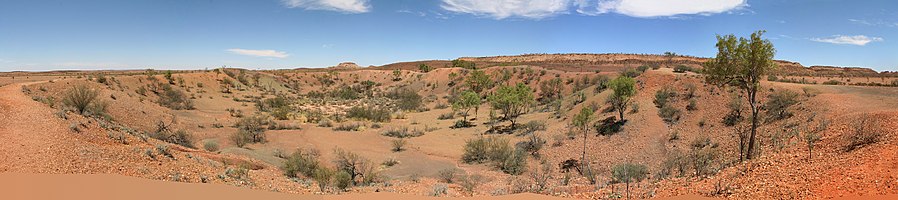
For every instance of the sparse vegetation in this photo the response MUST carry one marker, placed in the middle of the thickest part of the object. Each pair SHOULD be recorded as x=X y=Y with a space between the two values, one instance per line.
x=628 y=173
x=402 y=132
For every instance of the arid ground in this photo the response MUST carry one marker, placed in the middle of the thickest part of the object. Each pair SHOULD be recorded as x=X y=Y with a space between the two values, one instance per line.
x=398 y=131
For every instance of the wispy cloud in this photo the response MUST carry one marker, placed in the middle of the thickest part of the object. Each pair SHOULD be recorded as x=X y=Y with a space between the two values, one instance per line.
x=259 y=53
x=874 y=22
x=859 y=40
x=659 y=8
x=501 y=9
x=346 y=6
x=538 y=9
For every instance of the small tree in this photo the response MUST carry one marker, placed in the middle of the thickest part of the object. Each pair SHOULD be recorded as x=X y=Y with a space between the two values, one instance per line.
x=742 y=63
x=550 y=90
x=397 y=75
x=168 y=76
x=629 y=172
x=623 y=88
x=581 y=121
x=513 y=101
x=467 y=100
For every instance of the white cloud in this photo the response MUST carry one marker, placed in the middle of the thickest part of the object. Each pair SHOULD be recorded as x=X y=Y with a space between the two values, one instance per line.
x=859 y=40
x=658 y=8
x=260 y=53
x=501 y=9
x=347 y=6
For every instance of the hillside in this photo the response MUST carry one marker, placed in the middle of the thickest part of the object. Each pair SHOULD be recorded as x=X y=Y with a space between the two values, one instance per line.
x=186 y=126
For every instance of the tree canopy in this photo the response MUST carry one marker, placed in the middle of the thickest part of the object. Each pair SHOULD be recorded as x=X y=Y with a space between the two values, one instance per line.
x=513 y=101
x=467 y=100
x=623 y=88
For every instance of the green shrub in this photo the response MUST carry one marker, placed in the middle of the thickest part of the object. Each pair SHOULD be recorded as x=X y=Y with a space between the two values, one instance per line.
x=497 y=151
x=211 y=146
x=301 y=163
x=462 y=124
x=371 y=113
x=406 y=99
x=323 y=177
x=669 y=114
x=342 y=180
x=664 y=96
x=80 y=98
x=772 y=77
x=174 y=99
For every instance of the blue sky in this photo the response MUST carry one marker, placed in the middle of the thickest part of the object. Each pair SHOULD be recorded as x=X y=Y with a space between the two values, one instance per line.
x=196 y=34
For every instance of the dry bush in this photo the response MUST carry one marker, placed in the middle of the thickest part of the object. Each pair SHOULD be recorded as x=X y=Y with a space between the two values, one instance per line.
x=447 y=175
x=398 y=145
x=402 y=132
x=84 y=101
x=778 y=104
x=864 y=131
x=470 y=182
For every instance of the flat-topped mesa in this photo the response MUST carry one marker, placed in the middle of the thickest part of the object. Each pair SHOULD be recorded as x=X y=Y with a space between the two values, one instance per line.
x=345 y=66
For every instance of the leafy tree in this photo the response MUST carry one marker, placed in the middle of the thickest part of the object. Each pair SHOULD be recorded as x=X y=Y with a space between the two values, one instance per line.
x=742 y=63
x=627 y=173
x=478 y=82
x=467 y=100
x=581 y=120
x=669 y=55
x=623 y=88
x=425 y=68
x=513 y=101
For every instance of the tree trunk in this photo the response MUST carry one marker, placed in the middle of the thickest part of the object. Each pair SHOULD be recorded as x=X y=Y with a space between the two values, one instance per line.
x=584 y=145
x=628 y=189
x=754 y=124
